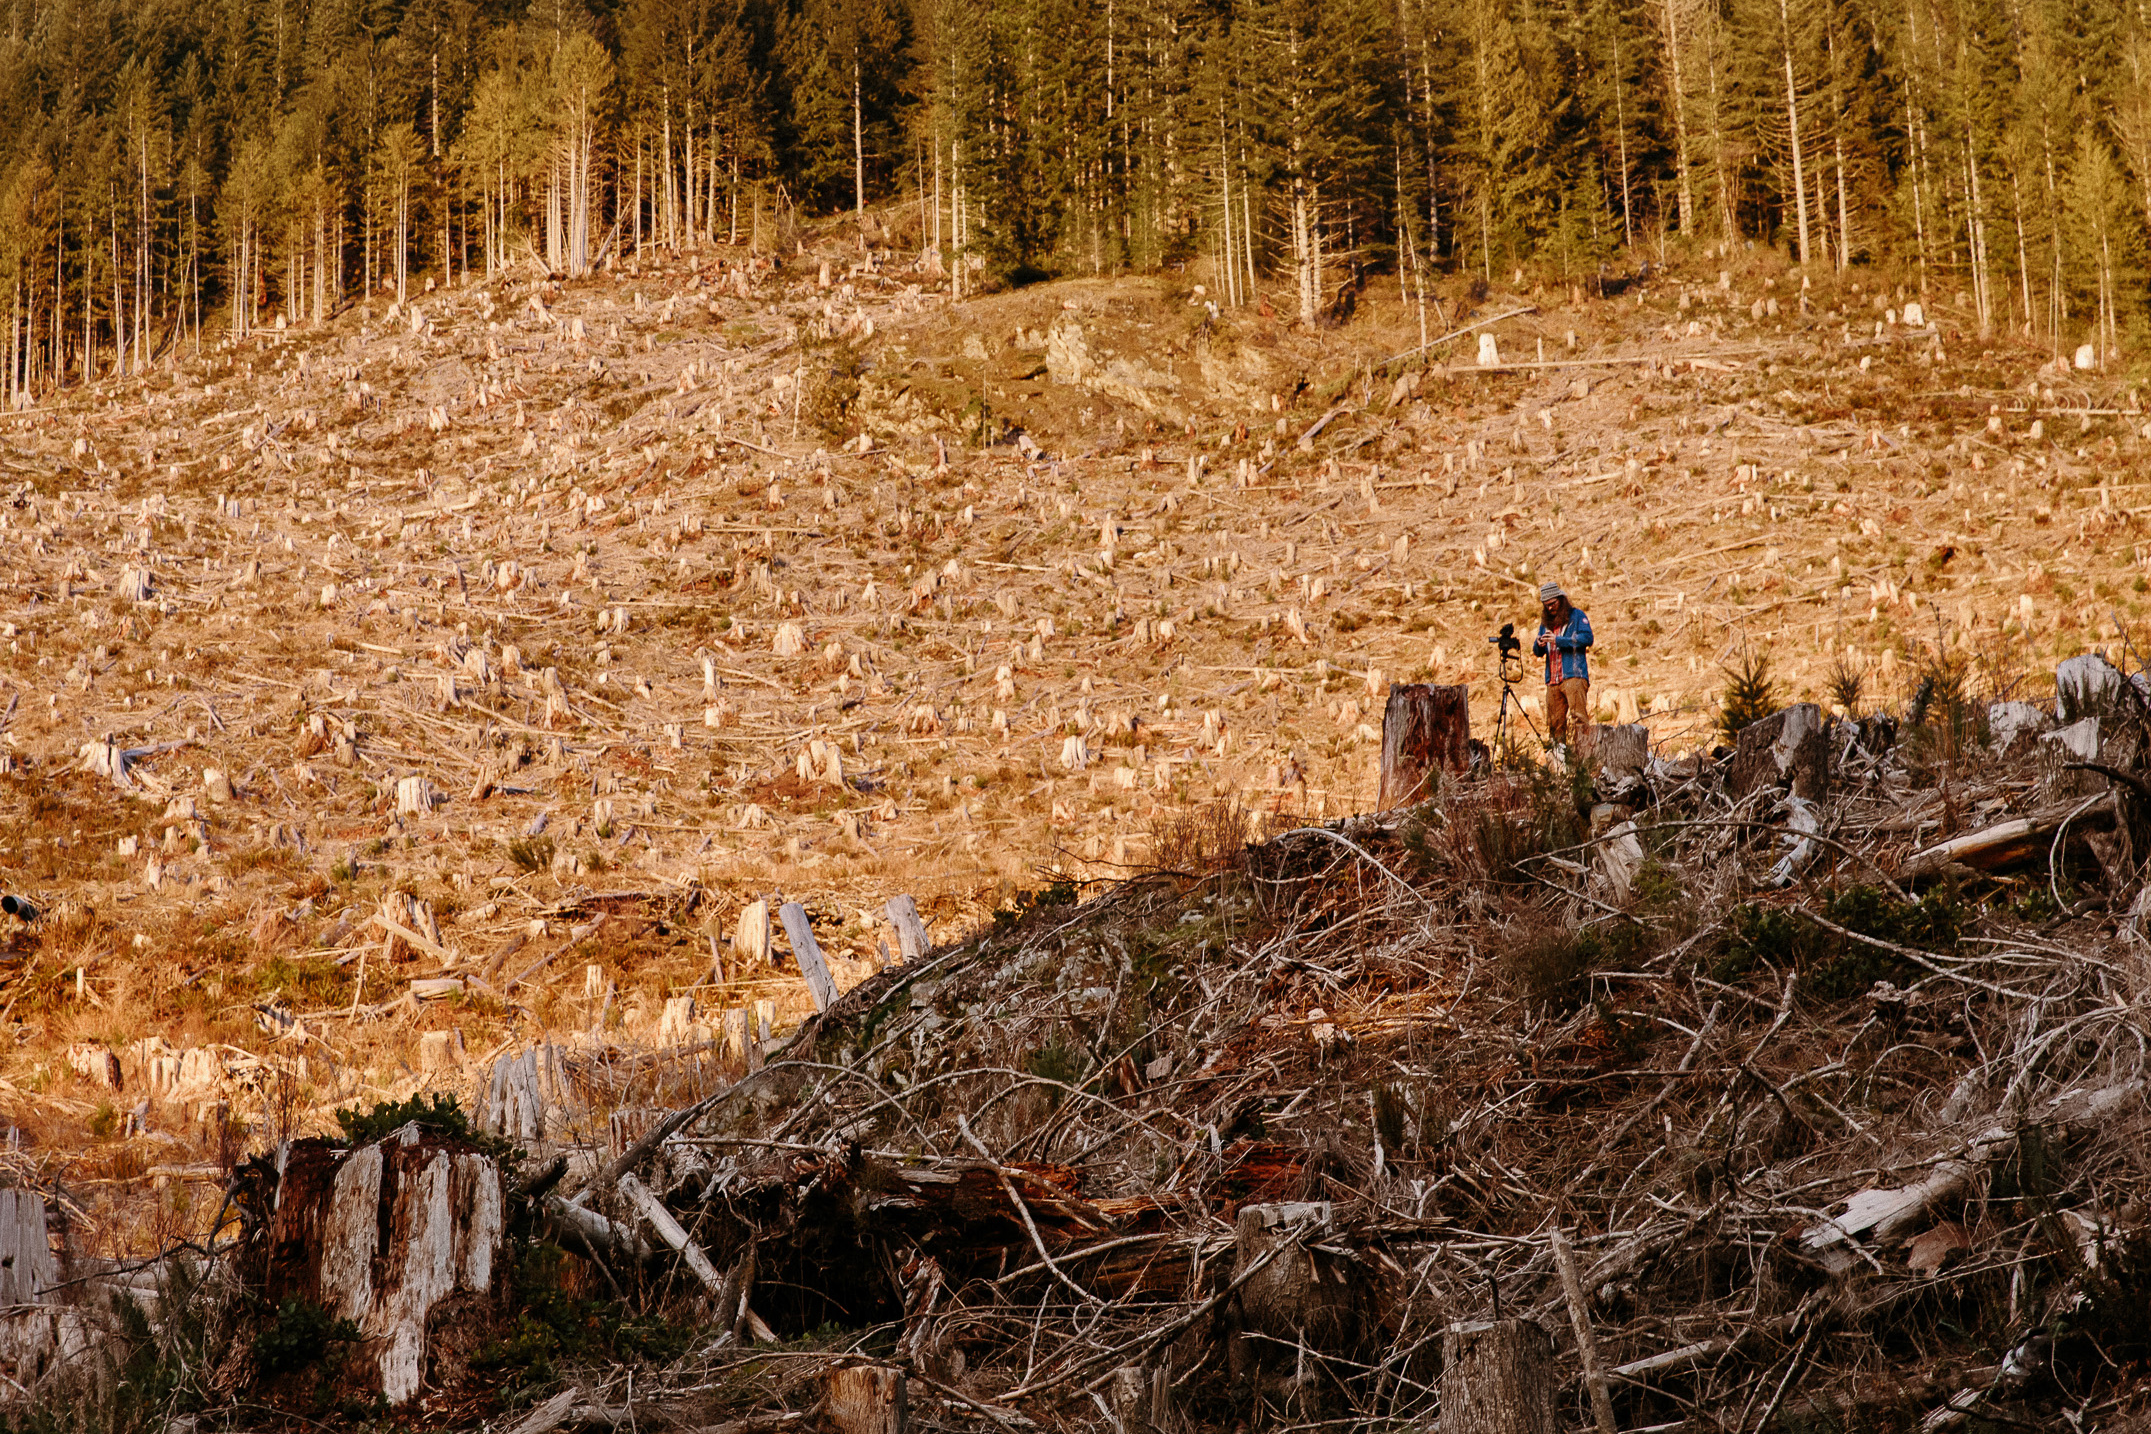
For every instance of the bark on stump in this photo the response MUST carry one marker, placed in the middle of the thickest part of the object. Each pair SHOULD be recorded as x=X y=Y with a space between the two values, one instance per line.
x=1624 y=753
x=1425 y=730
x=1301 y=1305
x=1141 y=1398
x=865 y=1399
x=392 y=1236
x=1497 y=1378
x=28 y=1271
x=1787 y=748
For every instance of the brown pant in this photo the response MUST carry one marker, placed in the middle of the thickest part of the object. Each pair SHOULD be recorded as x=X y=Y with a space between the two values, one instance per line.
x=1570 y=693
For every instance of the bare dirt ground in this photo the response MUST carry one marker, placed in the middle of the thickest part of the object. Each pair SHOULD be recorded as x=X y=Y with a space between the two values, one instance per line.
x=555 y=623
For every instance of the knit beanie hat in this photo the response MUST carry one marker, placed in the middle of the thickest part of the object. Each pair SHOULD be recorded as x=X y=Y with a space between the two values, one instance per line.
x=1549 y=591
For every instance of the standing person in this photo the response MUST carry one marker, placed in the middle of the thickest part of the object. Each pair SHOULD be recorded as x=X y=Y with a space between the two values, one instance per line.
x=1564 y=638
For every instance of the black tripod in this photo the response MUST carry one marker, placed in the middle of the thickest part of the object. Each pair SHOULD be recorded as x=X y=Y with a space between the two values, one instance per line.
x=1509 y=663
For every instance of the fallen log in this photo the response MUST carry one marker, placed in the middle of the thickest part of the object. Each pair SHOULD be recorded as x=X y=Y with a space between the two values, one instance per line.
x=673 y=1233
x=2003 y=844
x=591 y=1235
x=1883 y=1214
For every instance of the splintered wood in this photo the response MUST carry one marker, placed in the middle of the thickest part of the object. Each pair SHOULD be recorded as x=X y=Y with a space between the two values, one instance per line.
x=391 y=1236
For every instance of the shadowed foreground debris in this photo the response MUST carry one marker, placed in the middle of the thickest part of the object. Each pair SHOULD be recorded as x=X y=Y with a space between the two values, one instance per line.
x=1794 y=1085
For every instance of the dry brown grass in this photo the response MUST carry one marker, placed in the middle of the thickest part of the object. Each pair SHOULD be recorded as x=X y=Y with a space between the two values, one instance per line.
x=1237 y=724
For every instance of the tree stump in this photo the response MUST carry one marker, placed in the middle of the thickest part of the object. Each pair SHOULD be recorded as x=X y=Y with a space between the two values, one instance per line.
x=1623 y=754
x=2077 y=742
x=1785 y=748
x=1298 y=1293
x=1301 y=1306
x=2087 y=686
x=676 y=1027
x=27 y=1268
x=1141 y=1398
x=1425 y=730
x=1497 y=1378
x=525 y=1088
x=911 y=938
x=735 y=1037
x=750 y=938
x=28 y=1271
x=399 y=1236
x=865 y=1399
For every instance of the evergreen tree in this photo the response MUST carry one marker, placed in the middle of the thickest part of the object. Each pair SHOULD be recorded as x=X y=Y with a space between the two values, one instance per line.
x=1504 y=137
x=171 y=169
x=2105 y=245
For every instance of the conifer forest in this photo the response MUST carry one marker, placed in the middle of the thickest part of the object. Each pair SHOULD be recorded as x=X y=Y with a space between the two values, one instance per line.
x=166 y=168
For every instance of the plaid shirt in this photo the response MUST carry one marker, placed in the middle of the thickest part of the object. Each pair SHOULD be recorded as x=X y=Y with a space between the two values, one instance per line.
x=1564 y=650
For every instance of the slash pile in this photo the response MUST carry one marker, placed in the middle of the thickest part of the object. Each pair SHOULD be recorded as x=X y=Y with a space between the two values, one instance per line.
x=1819 y=1063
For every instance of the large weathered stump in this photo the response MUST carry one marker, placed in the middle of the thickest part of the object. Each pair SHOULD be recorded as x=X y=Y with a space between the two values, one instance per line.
x=1301 y=1305
x=1497 y=1378
x=29 y=1333
x=385 y=1235
x=1426 y=730
x=1786 y=749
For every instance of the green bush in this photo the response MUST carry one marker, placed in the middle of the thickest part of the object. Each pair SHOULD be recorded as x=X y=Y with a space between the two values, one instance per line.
x=1846 y=685
x=533 y=855
x=1750 y=695
x=1832 y=967
x=1547 y=964
x=1944 y=721
x=554 y=1325
x=439 y=1115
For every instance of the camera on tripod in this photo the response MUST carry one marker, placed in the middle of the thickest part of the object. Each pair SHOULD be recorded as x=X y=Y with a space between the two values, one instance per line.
x=1508 y=653
x=1509 y=661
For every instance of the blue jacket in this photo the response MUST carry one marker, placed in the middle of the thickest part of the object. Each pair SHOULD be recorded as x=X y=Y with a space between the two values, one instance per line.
x=1564 y=650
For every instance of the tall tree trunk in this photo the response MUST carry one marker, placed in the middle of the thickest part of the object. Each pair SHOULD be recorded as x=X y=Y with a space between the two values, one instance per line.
x=1718 y=150
x=1976 y=212
x=1683 y=164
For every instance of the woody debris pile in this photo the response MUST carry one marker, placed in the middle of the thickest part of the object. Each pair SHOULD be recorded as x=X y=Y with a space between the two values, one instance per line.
x=1799 y=1081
